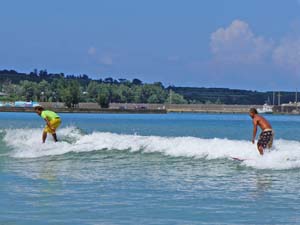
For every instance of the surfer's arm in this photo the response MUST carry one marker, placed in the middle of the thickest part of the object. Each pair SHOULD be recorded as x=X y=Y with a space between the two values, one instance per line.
x=48 y=124
x=254 y=131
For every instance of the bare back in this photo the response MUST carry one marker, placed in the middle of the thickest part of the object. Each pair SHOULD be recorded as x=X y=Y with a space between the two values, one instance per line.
x=261 y=122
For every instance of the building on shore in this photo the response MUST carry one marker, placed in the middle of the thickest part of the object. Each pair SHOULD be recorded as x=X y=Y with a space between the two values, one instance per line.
x=289 y=108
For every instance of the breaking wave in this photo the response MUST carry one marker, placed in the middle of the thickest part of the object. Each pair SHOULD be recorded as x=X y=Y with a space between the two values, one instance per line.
x=26 y=143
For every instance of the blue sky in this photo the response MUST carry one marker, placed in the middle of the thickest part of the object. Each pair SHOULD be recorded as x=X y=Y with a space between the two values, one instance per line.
x=249 y=44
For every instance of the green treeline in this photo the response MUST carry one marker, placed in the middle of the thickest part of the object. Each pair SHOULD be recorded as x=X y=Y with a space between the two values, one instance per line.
x=232 y=96
x=44 y=86
x=41 y=86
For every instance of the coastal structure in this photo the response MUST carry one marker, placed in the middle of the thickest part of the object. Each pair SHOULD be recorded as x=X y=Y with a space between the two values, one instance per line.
x=136 y=108
x=90 y=107
x=290 y=108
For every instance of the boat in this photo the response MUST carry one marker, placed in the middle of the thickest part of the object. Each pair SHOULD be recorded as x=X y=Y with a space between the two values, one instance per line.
x=267 y=109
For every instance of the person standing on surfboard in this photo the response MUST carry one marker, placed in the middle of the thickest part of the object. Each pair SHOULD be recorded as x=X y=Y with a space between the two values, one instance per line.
x=266 y=137
x=53 y=121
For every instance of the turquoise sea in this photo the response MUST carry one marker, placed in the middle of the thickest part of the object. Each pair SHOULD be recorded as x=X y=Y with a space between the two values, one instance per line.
x=148 y=169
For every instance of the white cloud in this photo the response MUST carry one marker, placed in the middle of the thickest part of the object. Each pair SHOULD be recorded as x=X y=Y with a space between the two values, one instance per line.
x=287 y=54
x=92 y=51
x=106 y=60
x=101 y=57
x=238 y=44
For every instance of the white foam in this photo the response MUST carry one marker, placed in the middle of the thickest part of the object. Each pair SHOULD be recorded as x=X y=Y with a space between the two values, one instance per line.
x=26 y=143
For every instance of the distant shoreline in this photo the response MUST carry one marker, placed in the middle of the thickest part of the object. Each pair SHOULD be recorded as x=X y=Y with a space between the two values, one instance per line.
x=133 y=111
x=119 y=108
x=79 y=110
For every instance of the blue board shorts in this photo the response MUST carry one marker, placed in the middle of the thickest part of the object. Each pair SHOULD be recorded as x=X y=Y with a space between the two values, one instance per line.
x=266 y=139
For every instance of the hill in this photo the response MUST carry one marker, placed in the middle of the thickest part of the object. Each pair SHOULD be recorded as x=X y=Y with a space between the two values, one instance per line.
x=230 y=96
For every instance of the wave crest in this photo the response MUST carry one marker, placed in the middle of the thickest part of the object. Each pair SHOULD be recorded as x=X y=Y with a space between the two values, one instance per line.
x=26 y=143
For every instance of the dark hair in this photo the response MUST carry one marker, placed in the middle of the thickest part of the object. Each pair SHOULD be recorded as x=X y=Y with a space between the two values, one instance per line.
x=253 y=110
x=39 y=108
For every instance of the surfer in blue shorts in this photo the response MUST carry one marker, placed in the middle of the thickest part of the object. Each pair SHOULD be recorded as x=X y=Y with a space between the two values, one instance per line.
x=266 y=137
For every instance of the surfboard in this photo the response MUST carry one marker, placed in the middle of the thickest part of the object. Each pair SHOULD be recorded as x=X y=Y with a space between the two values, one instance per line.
x=239 y=159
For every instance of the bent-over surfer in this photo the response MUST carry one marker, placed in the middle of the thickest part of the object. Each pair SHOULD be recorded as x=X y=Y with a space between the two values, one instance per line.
x=266 y=136
x=53 y=121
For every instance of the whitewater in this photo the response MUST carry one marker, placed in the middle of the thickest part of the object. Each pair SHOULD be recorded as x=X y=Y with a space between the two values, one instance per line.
x=26 y=143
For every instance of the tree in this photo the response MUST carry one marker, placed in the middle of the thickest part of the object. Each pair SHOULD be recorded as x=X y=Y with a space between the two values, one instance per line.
x=71 y=95
x=8 y=87
x=71 y=89
x=153 y=99
x=176 y=98
x=137 y=82
x=92 y=89
x=43 y=91
x=59 y=86
x=104 y=95
x=29 y=90
x=108 y=80
x=116 y=94
x=153 y=89
x=75 y=92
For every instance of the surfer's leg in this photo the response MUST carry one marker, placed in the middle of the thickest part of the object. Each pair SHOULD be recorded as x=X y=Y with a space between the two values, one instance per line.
x=260 y=144
x=55 y=124
x=44 y=136
x=260 y=149
x=270 y=143
x=54 y=137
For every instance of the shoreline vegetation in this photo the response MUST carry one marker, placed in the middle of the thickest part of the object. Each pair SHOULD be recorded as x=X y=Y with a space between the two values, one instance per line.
x=80 y=93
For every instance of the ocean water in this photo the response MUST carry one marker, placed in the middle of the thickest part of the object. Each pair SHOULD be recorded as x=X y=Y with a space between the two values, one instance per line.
x=148 y=169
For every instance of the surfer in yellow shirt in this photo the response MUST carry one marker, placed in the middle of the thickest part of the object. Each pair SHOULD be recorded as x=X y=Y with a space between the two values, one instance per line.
x=53 y=121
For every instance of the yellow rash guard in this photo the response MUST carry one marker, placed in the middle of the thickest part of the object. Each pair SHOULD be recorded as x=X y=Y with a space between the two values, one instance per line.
x=53 y=119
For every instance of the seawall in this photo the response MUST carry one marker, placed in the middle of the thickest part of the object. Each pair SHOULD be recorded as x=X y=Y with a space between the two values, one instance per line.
x=138 y=108
x=84 y=110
